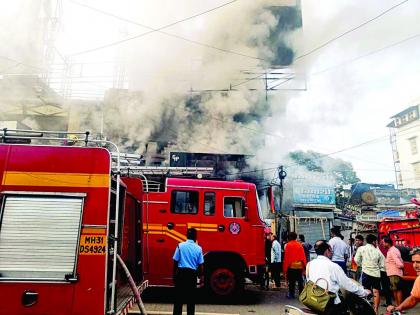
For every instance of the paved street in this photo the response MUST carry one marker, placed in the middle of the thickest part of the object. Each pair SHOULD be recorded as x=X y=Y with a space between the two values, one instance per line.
x=253 y=301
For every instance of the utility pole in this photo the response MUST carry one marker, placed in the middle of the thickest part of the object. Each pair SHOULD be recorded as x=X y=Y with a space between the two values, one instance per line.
x=282 y=175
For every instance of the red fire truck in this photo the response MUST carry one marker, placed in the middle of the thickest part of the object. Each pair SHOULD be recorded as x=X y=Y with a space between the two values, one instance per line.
x=64 y=219
x=64 y=211
x=230 y=230
x=405 y=232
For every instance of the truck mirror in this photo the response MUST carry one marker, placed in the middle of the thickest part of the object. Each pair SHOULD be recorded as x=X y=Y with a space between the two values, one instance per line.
x=245 y=205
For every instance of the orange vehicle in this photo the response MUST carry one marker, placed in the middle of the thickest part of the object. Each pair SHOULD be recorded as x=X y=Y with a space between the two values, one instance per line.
x=64 y=221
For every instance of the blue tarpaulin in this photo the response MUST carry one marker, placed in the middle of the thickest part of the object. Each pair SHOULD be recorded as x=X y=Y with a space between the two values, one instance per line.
x=389 y=213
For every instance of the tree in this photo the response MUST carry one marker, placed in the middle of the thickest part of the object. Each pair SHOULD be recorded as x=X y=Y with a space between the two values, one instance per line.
x=340 y=170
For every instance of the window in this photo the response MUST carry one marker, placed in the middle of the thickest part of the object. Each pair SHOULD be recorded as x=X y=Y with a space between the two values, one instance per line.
x=209 y=203
x=234 y=207
x=184 y=201
x=416 y=169
x=413 y=145
x=39 y=237
x=411 y=115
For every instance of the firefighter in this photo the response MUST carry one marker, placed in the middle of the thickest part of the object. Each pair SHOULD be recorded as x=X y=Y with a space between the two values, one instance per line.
x=188 y=264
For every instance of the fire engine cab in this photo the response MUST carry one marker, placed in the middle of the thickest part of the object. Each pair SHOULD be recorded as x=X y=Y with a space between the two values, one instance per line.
x=226 y=214
x=65 y=220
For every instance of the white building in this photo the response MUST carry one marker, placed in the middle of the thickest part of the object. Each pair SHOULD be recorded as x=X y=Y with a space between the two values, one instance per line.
x=405 y=141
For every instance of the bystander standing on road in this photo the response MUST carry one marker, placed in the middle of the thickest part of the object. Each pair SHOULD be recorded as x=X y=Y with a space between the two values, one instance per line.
x=414 y=297
x=275 y=260
x=359 y=241
x=394 y=268
x=340 y=249
x=188 y=264
x=293 y=264
x=306 y=247
x=385 y=283
x=265 y=281
x=371 y=260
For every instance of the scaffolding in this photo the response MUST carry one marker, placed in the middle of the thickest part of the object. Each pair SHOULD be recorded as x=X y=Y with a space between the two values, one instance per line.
x=395 y=156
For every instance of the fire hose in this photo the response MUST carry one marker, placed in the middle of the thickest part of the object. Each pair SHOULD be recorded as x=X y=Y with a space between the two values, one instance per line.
x=133 y=286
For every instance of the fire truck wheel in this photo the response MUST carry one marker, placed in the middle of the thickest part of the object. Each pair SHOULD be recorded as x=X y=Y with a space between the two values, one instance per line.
x=224 y=282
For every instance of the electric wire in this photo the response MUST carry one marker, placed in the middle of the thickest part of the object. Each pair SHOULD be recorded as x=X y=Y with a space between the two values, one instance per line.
x=166 y=33
x=152 y=31
x=336 y=37
x=351 y=30
x=368 y=142
x=366 y=55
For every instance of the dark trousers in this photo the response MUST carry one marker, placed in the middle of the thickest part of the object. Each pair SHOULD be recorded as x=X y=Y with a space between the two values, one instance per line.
x=342 y=264
x=335 y=309
x=386 y=288
x=265 y=278
x=293 y=276
x=275 y=273
x=185 y=286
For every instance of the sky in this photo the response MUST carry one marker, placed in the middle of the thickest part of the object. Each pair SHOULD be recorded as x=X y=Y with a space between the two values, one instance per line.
x=341 y=95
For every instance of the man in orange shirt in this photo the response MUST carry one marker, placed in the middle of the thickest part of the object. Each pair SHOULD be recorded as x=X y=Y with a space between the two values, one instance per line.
x=414 y=297
x=294 y=263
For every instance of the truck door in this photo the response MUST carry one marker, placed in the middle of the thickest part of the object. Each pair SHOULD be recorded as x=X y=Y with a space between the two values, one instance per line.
x=211 y=229
x=234 y=221
x=39 y=237
x=166 y=229
x=224 y=272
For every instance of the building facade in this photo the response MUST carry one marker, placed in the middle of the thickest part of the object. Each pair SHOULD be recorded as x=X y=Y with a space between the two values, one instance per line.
x=405 y=141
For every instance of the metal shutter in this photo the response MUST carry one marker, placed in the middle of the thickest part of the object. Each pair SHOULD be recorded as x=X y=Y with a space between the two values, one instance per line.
x=313 y=230
x=39 y=237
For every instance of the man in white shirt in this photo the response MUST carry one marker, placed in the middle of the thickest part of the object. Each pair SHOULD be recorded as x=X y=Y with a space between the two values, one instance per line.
x=331 y=276
x=340 y=249
x=275 y=260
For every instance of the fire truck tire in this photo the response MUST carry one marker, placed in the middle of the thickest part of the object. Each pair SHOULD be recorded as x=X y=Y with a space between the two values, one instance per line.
x=224 y=282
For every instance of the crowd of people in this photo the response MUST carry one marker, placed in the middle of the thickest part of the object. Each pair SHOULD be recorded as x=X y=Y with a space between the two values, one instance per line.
x=377 y=267
x=375 y=271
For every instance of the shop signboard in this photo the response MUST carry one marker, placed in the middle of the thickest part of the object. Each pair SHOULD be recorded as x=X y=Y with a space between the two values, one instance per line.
x=311 y=193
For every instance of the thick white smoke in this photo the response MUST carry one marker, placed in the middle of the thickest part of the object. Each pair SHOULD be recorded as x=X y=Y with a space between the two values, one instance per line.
x=168 y=77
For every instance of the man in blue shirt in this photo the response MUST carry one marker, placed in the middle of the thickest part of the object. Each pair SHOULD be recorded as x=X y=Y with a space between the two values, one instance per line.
x=188 y=264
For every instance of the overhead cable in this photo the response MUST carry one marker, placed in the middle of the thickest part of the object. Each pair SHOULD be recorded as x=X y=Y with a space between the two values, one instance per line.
x=166 y=33
x=335 y=38
x=351 y=30
x=153 y=30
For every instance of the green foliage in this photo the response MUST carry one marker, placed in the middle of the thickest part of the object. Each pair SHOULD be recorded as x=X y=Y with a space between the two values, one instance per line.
x=341 y=170
x=340 y=200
